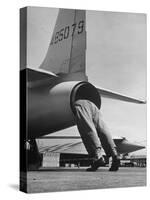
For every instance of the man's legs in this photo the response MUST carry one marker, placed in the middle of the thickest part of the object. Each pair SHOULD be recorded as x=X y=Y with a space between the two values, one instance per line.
x=94 y=133
x=88 y=132
x=89 y=137
x=107 y=142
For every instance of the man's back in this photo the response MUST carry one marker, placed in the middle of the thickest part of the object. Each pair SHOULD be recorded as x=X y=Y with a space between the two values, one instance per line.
x=89 y=107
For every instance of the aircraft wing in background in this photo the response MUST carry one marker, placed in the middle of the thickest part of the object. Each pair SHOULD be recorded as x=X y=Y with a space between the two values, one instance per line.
x=74 y=145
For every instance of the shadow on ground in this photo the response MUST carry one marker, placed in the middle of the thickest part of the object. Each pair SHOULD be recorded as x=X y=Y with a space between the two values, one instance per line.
x=59 y=169
x=14 y=187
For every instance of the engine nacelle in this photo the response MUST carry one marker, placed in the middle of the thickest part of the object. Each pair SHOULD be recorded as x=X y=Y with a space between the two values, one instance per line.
x=51 y=109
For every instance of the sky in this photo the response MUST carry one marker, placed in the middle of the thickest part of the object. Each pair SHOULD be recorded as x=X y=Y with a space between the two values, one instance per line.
x=115 y=59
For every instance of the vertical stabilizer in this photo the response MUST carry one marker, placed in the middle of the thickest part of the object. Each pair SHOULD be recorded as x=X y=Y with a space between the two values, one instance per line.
x=67 y=49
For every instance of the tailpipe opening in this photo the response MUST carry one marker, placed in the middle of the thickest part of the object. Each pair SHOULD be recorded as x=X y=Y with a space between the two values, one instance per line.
x=85 y=90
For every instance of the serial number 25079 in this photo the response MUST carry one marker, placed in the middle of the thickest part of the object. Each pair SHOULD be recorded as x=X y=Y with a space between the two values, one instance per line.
x=67 y=31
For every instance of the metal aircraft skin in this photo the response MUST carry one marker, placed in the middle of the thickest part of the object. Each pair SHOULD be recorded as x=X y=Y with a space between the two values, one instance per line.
x=61 y=78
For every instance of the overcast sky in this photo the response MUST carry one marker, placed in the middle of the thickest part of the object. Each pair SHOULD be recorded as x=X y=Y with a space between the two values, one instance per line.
x=116 y=60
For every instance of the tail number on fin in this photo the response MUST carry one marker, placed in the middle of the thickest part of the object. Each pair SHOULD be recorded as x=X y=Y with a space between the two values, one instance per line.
x=67 y=31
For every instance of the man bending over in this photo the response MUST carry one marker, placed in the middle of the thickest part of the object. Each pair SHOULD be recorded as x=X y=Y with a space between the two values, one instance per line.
x=95 y=135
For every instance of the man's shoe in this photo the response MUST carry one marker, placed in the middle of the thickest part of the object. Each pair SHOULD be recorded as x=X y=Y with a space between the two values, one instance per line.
x=96 y=164
x=115 y=164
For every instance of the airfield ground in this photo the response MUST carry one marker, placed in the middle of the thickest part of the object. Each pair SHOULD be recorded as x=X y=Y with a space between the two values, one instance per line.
x=63 y=179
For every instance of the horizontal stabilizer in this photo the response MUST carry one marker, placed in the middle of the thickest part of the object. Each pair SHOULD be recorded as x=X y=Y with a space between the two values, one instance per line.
x=114 y=95
x=38 y=77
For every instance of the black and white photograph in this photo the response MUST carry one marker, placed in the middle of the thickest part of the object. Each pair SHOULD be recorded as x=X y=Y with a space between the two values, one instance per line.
x=83 y=101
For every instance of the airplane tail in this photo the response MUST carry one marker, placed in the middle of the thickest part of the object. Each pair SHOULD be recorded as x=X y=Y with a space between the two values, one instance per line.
x=67 y=49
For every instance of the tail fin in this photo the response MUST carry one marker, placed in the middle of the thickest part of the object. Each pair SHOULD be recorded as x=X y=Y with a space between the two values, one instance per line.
x=66 y=52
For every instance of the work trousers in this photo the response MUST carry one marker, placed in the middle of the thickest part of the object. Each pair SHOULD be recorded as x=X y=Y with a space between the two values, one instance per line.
x=93 y=130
